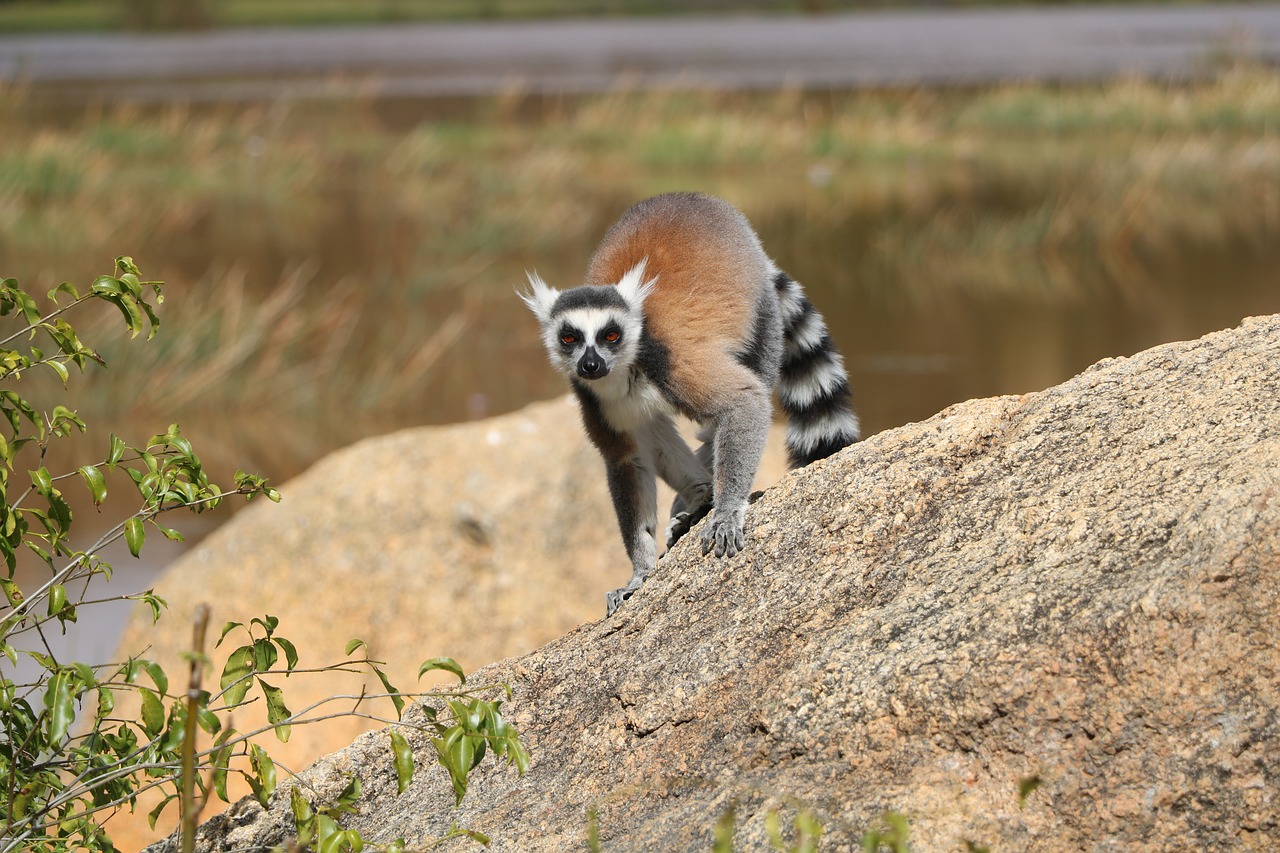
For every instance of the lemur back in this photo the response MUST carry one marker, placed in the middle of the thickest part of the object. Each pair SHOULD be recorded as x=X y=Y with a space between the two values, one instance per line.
x=709 y=274
x=682 y=311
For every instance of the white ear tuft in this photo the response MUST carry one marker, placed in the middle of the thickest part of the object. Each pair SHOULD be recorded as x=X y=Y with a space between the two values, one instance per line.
x=634 y=288
x=540 y=298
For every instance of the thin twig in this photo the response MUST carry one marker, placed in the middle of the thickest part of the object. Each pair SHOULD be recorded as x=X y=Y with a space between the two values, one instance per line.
x=190 y=808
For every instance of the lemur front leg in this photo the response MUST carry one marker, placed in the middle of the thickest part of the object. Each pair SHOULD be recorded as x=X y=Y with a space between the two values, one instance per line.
x=634 y=489
x=741 y=429
x=689 y=474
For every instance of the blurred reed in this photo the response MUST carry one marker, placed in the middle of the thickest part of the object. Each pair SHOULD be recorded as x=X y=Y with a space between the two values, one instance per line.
x=348 y=263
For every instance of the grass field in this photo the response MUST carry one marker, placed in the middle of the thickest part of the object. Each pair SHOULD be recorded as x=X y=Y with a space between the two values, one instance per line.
x=348 y=264
x=18 y=16
x=46 y=15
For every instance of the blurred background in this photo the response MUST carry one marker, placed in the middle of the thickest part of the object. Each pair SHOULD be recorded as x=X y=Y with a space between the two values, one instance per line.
x=343 y=194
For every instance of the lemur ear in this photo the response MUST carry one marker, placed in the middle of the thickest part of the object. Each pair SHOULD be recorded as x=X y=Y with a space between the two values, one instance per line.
x=633 y=287
x=540 y=298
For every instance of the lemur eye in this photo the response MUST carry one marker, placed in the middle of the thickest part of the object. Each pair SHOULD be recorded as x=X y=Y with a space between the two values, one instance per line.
x=612 y=336
x=568 y=338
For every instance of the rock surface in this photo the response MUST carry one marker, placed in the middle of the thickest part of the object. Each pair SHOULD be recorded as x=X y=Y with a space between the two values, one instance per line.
x=1080 y=585
x=479 y=541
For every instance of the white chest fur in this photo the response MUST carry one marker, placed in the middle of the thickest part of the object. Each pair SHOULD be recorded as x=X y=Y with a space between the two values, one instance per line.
x=628 y=400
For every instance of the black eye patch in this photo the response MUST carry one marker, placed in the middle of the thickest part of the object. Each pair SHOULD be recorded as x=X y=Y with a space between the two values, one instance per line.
x=610 y=334
x=569 y=336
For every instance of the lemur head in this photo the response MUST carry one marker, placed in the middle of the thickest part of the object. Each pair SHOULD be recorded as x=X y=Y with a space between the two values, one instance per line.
x=592 y=330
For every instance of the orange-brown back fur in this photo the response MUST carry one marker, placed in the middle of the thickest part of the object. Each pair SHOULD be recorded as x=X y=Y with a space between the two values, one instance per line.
x=703 y=253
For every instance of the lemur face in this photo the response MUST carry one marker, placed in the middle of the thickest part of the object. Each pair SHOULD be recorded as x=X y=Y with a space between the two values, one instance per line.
x=590 y=342
x=591 y=331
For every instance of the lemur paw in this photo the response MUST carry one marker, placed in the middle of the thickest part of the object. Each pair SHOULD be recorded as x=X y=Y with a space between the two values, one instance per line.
x=724 y=534
x=682 y=522
x=613 y=600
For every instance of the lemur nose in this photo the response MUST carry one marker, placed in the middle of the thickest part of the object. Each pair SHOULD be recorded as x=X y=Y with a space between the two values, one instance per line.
x=591 y=366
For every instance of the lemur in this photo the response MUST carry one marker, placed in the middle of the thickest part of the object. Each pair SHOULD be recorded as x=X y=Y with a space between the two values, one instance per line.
x=682 y=312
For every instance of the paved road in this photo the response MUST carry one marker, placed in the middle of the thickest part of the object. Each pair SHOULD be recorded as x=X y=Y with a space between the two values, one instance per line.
x=857 y=49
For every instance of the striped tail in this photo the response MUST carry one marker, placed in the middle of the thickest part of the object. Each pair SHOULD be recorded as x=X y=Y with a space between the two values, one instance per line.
x=813 y=387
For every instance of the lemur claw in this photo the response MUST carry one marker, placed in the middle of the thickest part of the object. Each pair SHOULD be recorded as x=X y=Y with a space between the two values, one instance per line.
x=684 y=521
x=724 y=535
x=613 y=600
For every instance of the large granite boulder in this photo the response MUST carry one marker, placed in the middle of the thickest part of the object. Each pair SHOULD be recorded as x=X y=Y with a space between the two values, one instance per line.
x=1079 y=586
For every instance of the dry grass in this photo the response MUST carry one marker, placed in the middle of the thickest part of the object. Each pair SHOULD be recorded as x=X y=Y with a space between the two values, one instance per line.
x=348 y=264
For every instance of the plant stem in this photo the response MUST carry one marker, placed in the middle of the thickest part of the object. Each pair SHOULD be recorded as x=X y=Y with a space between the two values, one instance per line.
x=190 y=808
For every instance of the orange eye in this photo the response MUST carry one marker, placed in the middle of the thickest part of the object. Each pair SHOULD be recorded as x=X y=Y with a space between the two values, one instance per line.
x=568 y=339
x=612 y=336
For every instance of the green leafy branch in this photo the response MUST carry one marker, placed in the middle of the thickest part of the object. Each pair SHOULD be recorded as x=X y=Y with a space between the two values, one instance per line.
x=68 y=760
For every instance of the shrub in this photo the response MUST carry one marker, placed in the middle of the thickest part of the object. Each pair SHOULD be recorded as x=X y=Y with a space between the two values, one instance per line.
x=68 y=759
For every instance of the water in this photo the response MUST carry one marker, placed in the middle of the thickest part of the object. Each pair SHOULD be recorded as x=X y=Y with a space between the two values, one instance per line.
x=912 y=347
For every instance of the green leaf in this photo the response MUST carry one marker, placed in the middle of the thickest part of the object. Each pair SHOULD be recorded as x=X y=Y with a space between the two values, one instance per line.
x=96 y=482
x=478 y=746
x=264 y=655
x=1026 y=787
x=352 y=645
x=59 y=511
x=124 y=264
x=12 y=592
x=402 y=756
x=462 y=753
x=236 y=674
x=115 y=452
x=346 y=801
x=449 y=760
x=518 y=754
x=134 y=535
x=66 y=287
x=221 y=761
x=269 y=623
x=397 y=698
x=264 y=770
x=205 y=718
x=334 y=839
x=57 y=598
x=157 y=674
x=290 y=652
x=63 y=419
x=60 y=369
x=227 y=629
x=152 y=712
x=151 y=316
x=154 y=814
x=106 y=701
x=60 y=703
x=155 y=602
x=303 y=817
x=42 y=480
x=447 y=664
x=326 y=831
x=277 y=711
x=725 y=828
x=129 y=308
x=29 y=310
x=106 y=285
x=168 y=532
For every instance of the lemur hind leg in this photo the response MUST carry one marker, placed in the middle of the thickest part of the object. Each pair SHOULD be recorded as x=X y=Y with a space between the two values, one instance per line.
x=634 y=488
x=690 y=508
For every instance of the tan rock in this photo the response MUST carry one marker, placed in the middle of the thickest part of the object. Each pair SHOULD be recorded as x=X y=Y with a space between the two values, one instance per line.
x=1080 y=585
x=478 y=541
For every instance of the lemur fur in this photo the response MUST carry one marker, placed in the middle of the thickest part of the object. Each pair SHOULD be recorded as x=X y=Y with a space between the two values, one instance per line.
x=682 y=312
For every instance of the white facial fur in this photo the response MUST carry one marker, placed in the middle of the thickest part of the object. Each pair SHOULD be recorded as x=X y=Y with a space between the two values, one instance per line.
x=588 y=314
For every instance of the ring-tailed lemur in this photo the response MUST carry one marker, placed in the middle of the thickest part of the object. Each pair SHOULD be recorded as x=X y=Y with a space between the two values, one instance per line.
x=682 y=311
